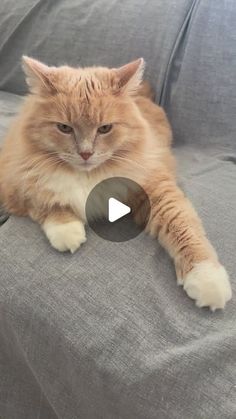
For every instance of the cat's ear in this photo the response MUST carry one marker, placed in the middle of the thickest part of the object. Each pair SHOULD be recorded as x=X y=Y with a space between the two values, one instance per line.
x=39 y=76
x=130 y=75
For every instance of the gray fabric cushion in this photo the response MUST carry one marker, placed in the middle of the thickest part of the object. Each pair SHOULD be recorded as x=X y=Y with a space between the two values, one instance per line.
x=106 y=333
x=88 y=32
x=9 y=104
x=200 y=84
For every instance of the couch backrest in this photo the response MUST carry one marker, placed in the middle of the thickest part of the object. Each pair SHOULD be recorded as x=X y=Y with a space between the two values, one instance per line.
x=189 y=47
x=200 y=88
x=88 y=32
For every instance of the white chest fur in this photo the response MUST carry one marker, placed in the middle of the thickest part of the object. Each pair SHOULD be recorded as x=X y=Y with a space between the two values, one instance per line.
x=73 y=190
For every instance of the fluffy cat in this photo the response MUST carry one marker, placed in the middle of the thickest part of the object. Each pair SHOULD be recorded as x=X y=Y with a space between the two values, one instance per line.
x=79 y=126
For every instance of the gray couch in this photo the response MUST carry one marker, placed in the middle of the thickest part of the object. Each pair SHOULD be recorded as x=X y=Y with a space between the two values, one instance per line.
x=106 y=333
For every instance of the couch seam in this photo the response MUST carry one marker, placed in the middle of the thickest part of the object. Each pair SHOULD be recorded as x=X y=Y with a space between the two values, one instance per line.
x=181 y=35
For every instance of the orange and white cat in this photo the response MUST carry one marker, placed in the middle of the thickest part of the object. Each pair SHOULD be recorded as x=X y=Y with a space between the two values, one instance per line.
x=79 y=126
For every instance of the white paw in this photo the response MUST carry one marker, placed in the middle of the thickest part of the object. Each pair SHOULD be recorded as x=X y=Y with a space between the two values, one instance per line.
x=63 y=237
x=209 y=285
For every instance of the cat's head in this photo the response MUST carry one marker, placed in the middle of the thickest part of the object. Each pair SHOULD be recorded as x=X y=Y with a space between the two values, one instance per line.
x=86 y=116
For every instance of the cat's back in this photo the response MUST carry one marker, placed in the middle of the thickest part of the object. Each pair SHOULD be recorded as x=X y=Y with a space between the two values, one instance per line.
x=154 y=114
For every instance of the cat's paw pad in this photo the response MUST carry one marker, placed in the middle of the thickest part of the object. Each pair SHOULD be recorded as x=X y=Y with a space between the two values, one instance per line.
x=64 y=237
x=209 y=285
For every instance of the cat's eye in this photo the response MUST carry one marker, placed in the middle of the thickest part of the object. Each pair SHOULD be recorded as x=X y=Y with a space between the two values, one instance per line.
x=66 y=129
x=104 y=129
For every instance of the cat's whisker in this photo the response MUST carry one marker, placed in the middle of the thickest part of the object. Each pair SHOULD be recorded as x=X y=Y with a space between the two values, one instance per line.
x=39 y=164
x=125 y=159
x=143 y=153
x=29 y=159
x=35 y=170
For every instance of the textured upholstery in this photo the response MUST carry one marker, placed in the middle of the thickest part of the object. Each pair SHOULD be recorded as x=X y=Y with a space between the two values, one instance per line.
x=106 y=333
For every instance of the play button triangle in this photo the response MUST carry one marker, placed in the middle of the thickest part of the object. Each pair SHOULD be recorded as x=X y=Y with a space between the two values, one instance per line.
x=117 y=210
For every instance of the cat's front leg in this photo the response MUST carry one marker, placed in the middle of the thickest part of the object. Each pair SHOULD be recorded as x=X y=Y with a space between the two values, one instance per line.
x=174 y=221
x=63 y=229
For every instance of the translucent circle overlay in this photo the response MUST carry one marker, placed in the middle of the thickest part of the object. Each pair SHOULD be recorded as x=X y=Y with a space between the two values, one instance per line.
x=129 y=193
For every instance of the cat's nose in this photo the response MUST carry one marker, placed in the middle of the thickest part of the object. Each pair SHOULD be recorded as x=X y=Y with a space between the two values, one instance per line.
x=85 y=155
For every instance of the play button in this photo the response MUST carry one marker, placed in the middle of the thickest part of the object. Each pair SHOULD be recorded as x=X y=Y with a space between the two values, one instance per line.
x=117 y=209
